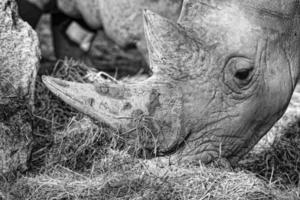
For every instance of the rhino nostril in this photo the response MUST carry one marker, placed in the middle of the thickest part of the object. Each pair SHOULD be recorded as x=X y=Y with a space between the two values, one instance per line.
x=102 y=89
x=127 y=106
x=91 y=102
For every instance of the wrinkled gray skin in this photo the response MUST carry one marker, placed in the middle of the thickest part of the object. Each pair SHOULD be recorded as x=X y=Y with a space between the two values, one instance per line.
x=222 y=76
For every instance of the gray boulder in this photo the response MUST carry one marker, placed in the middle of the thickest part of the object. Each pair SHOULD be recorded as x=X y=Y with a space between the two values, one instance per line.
x=19 y=61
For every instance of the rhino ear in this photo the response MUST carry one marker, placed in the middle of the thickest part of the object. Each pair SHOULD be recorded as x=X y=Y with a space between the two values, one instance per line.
x=168 y=43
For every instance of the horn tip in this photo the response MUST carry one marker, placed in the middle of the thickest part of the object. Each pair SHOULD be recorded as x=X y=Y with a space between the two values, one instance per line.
x=150 y=16
x=147 y=12
x=45 y=78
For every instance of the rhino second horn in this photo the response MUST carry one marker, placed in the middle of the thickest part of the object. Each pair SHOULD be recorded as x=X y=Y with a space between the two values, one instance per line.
x=169 y=45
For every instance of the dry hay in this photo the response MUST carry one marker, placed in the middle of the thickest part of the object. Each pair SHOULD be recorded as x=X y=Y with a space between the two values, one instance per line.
x=119 y=176
x=79 y=144
x=50 y=113
x=279 y=163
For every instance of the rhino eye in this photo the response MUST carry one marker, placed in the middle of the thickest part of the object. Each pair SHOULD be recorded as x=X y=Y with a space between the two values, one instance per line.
x=243 y=74
x=243 y=77
x=243 y=71
x=239 y=73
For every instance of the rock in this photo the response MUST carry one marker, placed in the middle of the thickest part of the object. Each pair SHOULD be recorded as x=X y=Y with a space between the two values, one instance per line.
x=19 y=58
x=19 y=62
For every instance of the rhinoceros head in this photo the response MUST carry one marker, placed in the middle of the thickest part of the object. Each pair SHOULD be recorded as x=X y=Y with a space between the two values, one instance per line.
x=222 y=76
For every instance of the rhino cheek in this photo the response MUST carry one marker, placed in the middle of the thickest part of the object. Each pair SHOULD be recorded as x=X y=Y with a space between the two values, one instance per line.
x=279 y=78
x=259 y=114
x=216 y=138
x=227 y=128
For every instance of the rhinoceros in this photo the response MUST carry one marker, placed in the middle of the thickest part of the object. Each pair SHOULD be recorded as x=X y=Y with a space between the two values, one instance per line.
x=222 y=76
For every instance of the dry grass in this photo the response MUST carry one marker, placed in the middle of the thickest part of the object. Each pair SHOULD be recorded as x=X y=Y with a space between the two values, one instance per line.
x=279 y=163
x=119 y=176
x=79 y=144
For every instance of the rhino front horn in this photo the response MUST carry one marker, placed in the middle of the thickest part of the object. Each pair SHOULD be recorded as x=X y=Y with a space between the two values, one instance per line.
x=120 y=105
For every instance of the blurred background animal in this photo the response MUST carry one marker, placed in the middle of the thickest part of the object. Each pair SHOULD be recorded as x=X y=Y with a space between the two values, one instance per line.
x=79 y=28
